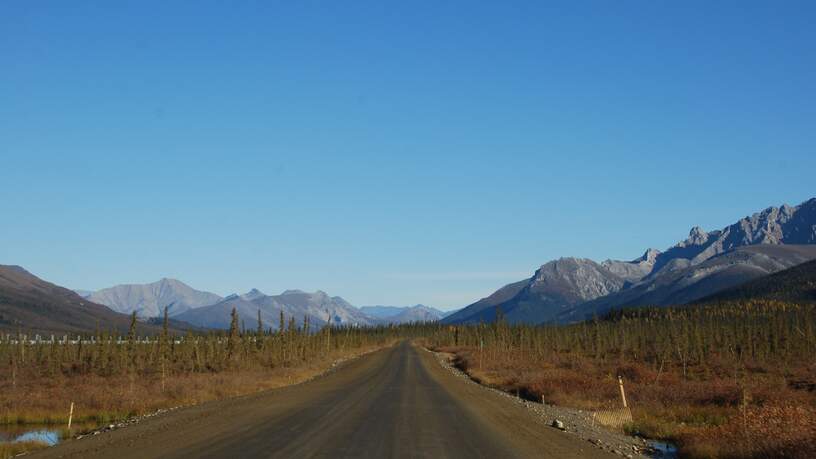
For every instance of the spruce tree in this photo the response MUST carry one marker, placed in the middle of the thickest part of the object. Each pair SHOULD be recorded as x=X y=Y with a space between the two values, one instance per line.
x=260 y=332
x=232 y=339
x=281 y=327
x=163 y=349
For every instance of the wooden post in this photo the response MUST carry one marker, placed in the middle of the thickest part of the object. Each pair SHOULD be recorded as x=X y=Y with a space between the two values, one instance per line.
x=70 y=415
x=623 y=394
x=481 y=352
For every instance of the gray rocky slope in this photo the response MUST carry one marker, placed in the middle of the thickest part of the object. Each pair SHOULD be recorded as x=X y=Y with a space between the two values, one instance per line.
x=149 y=300
x=318 y=306
x=572 y=289
x=689 y=284
x=554 y=287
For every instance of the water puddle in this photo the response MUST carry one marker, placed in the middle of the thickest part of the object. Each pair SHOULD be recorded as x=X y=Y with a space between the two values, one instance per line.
x=48 y=435
x=663 y=450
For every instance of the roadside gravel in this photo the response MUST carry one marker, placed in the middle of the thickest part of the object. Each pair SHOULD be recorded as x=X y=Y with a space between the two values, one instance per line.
x=575 y=422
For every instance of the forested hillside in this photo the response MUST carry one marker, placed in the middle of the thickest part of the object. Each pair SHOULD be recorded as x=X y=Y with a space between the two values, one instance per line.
x=797 y=284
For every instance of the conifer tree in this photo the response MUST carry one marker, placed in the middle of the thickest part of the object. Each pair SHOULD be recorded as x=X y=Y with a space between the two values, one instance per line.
x=282 y=323
x=260 y=333
x=163 y=349
x=232 y=338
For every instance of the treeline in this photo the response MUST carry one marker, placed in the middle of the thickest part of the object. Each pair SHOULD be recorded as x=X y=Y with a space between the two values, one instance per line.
x=731 y=332
x=738 y=332
x=108 y=354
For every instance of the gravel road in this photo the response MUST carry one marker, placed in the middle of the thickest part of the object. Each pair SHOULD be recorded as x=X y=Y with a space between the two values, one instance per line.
x=398 y=402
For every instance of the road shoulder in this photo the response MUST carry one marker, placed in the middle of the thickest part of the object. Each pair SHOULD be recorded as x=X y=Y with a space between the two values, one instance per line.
x=526 y=422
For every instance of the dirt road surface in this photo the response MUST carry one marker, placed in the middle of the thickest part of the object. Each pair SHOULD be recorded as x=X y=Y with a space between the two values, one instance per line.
x=394 y=403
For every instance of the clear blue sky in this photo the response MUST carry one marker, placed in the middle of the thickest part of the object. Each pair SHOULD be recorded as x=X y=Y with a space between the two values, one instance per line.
x=389 y=152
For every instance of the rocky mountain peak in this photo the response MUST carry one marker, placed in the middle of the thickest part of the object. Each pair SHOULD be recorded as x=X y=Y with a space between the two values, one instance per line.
x=648 y=257
x=696 y=237
x=581 y=277
x=252 y=294
x=151 y=300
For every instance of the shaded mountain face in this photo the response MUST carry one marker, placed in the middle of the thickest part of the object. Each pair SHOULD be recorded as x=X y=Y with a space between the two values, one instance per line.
x=32 y=305
x=218 y=315
x=149 y=300
x=403 y=314
x=702 y=264
x=318 y=306
x=473 y=313
x=795 y=285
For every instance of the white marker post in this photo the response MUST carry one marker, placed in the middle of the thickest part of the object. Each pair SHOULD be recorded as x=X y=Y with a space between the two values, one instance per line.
x=70 y=415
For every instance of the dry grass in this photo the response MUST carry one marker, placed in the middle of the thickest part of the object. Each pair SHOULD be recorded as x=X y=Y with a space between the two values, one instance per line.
x=756 y=410
x=774 y=430
x=100 y=399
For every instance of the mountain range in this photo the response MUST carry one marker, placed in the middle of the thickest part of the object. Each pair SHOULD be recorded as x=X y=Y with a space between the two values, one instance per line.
x=403 y=314
x=208 y=310
x=699 y=268
x=318 y=306
x=31 y=305
x=570 y=289
x=686 y=285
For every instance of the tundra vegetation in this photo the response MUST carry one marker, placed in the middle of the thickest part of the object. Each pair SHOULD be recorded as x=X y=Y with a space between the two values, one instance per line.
x=110 y=378
x=733 y=379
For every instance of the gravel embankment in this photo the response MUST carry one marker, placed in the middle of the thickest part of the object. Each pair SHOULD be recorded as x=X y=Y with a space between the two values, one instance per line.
x=575 y=422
